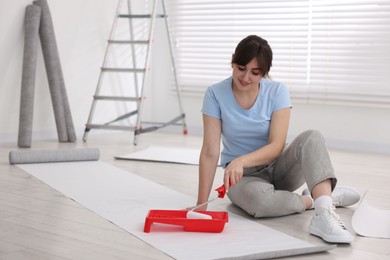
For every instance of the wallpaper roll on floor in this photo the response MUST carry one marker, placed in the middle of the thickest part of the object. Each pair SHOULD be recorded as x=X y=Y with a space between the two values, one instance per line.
x=31 y=25
x=49 y=156
x=53 y=69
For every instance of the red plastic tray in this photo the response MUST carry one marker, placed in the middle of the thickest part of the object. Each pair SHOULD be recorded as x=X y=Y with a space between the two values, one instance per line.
x=178 y=217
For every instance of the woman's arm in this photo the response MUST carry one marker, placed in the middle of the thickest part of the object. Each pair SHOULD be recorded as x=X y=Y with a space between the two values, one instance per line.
x=277 y=138
x=209 y=156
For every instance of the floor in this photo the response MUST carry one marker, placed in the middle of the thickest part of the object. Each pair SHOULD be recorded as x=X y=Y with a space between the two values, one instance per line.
x=37 y=222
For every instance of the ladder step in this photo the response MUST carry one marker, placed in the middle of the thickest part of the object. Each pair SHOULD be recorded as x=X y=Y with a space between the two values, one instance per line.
x=110 y=127
x=116 y=98
x=140 y=15
x=127 y=42
x=122 y=70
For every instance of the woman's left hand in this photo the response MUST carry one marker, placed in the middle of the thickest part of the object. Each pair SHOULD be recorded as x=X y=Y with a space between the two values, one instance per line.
x=233 y=173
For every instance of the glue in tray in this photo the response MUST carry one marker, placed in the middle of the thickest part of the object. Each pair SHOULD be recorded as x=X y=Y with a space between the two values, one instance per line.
x=179 y=218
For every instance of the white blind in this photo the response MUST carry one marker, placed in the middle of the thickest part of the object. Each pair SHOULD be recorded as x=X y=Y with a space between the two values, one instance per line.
x=325 y=51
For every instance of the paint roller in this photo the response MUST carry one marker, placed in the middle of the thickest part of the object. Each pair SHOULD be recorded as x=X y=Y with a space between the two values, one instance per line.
x=191 y=214
x=50 y=156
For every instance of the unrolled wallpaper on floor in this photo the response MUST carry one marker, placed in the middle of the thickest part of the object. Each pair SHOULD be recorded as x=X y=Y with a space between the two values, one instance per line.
x=370 y=221
x=125 y=199
x=166 y=154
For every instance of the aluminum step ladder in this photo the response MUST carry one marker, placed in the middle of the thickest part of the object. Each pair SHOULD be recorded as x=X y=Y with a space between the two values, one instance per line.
x=138 y=72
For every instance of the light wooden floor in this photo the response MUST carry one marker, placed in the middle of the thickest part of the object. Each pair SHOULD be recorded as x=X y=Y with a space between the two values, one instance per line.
x=37 y=222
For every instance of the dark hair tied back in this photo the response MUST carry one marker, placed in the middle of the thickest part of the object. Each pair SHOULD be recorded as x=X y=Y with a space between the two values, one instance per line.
x=256 y=47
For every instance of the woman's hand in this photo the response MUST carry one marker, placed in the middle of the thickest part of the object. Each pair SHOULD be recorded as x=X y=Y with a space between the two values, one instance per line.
x=233 y=173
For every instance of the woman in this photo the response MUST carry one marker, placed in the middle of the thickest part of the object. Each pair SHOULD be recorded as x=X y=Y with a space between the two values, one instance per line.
x=251 y=114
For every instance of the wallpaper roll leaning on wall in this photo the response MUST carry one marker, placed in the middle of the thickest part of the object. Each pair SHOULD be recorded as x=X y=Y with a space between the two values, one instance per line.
x=65 y=128
x=31 y=23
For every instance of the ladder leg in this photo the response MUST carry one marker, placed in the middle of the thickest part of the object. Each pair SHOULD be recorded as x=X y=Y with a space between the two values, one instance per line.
x=101 y=76
x=147 y=62
x=132 y=38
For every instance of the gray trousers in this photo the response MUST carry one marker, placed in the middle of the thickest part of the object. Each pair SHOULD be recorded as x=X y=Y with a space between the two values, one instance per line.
x=267 y=190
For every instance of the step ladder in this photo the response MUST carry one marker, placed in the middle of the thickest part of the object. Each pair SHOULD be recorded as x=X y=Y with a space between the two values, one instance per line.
x=140 y=71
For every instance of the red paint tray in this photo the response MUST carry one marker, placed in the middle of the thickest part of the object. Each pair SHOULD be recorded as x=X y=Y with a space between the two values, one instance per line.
x=179 y=218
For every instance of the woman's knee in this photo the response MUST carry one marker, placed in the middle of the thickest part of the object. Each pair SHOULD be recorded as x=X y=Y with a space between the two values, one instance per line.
x=312 y=142
x=312 y=135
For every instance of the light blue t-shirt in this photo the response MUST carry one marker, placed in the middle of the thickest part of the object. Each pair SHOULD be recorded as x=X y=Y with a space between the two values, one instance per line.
x=244 y=131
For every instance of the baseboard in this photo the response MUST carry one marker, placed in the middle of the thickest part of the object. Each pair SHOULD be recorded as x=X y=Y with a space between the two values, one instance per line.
x=332 y=143
x=353 y=145
x=37 y=135
x=360 y=146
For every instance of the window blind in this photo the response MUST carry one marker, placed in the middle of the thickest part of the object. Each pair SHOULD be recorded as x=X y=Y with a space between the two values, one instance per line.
x=325 y=51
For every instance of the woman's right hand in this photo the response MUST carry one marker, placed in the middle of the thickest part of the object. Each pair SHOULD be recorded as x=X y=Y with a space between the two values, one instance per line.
x=233 y=173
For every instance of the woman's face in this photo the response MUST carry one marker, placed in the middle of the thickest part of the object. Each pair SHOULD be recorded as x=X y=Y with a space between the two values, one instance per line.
x=246 y=77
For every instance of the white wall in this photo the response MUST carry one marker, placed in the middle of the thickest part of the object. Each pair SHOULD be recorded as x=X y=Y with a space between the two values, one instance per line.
x=82 y=28
x=358 y=128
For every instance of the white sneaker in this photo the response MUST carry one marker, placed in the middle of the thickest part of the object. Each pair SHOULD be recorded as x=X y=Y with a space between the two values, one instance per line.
x=329 y=227
x=344 y=196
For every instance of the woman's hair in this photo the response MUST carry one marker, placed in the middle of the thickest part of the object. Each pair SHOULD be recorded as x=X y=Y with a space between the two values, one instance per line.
x=251 y=47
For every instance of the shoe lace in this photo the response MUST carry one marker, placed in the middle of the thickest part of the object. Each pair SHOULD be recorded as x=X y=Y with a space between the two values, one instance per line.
x=334 y=219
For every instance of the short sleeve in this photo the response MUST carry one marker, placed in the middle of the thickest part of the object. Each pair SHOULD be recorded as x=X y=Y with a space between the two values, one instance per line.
x=211 y=105
x=282 y=98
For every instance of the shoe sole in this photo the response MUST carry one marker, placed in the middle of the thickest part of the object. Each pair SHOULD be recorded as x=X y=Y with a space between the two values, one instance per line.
x=330 y=239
